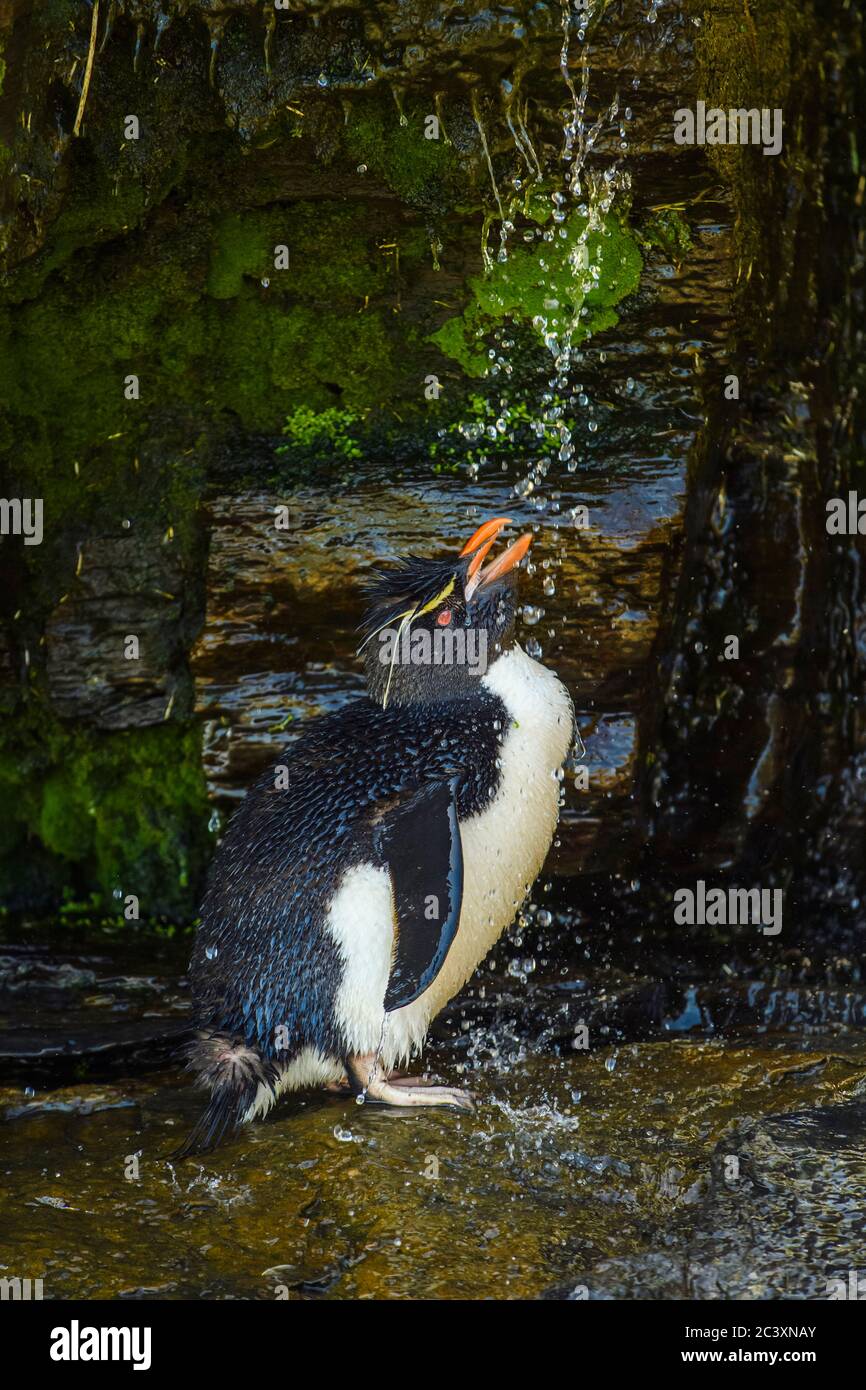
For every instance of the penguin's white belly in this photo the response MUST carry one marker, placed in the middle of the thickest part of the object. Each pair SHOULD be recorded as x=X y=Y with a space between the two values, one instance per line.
x=505 y=845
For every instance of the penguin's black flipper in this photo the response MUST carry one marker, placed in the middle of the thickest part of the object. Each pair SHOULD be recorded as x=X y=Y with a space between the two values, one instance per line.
x=420 y=840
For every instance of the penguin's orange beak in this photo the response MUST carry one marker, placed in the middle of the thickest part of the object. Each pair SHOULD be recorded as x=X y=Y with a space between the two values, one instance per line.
x=478 y=546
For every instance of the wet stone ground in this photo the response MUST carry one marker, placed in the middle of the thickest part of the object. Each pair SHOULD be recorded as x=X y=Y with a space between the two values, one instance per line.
x=708 y=1145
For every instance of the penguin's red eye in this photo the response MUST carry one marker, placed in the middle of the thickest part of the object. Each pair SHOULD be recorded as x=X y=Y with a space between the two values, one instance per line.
x=444 y=617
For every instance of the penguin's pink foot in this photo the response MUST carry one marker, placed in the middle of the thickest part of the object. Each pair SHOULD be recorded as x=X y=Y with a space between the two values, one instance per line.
x=402 y=1079
x=369 y=1082
x=343 y=1087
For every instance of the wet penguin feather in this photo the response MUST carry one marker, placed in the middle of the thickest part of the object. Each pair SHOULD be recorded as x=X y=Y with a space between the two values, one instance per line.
x=233 y=1072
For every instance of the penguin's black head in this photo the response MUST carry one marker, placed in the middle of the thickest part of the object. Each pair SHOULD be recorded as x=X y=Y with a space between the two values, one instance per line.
x=433 y=628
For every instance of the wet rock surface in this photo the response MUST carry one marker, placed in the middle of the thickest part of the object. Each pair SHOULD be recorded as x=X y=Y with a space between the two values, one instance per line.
x=649 y=1163
x=129 y=588
x=68 y=1012
x=786 y=1223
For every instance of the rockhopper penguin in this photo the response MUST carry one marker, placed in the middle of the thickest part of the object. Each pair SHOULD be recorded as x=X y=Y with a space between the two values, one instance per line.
x=366 y=875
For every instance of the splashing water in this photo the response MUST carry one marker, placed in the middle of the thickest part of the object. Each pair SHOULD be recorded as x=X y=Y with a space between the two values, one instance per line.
x=374 y=1065
x=557 y=216
x=561 y=215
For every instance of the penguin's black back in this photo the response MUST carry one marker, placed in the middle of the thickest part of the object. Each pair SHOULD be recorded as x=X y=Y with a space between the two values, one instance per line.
x=262 y=958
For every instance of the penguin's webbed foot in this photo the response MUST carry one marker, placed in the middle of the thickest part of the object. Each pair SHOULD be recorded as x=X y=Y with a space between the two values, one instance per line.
x=366 y=1080
x=344 y=1087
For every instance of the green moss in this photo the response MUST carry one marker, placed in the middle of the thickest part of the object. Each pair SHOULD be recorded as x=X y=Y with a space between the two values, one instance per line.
x=104 y=805
x=243 y=246
x=325 y=349
x=335 y=254
x=312 y=430
x=666 y=230
x=96 y=209
x=424 y=173
x=64 y=824
x=212 y=345
x=543 y=285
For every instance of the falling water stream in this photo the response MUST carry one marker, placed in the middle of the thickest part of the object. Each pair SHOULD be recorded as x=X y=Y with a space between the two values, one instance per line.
x=577 y=184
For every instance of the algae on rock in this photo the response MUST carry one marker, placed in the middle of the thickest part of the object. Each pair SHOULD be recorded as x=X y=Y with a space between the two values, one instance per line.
x=561 y=292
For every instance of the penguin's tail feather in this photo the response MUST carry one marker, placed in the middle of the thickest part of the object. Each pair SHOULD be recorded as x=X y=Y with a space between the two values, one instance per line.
x=239 y=1078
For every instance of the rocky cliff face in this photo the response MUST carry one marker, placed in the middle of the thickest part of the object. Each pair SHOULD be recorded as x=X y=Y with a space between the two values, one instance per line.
x=327 y=267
